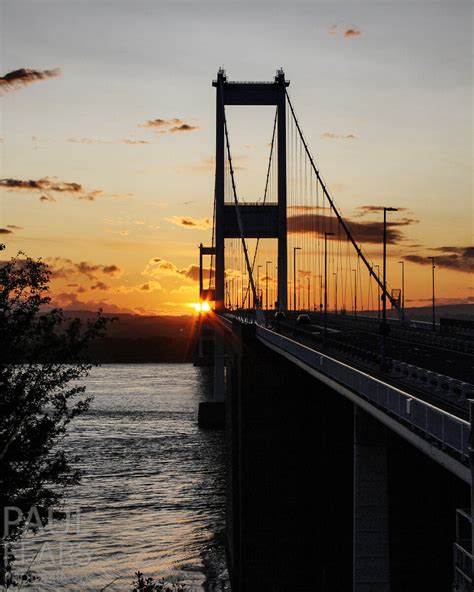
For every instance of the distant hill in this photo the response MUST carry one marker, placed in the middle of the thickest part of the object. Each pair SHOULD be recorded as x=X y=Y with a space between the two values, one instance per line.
x=452 y=311
x=140 y=339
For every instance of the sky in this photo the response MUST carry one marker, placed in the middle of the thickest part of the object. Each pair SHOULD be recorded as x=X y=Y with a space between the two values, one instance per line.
x=107 y=141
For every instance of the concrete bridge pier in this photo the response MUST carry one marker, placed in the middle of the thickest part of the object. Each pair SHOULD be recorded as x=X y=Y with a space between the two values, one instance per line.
x=289 y=497
x=371 y=536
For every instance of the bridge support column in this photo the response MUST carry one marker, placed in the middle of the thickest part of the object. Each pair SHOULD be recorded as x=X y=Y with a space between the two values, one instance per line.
x=371 y=537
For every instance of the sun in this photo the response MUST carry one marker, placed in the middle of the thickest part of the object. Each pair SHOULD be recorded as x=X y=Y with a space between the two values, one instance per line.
x=202 y=306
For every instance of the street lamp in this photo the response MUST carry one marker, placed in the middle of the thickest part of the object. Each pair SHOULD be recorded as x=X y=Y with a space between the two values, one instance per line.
x=384 y=295
x=320 y=292
x=433 y=290
x=266 y=283
x=326 y=234
x=402 y=263
x=294 y=275
x=355 y=292
x=258 y=285
x=378 y=291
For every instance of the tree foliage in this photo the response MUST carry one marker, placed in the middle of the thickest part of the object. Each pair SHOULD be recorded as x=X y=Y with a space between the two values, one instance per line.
x=43 y=356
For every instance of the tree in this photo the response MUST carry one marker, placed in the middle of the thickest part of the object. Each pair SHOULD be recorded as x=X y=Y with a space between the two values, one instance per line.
x=43 y=355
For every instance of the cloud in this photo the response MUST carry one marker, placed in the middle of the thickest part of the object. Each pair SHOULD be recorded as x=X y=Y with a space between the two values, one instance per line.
x=332 y=136
x=364 y=232
x=347 y=33
x=100 y=286
x=158 y=267
x=456 y=258
x=150 y=287
x=190 y=222
x=5 y=231
x=169 y=126
x=24 y=76
x=352 y=32
x=363 y=210
x=70 y=301
x=14 y=227
x=61 y=267
x=50 y=185
x=97 y=141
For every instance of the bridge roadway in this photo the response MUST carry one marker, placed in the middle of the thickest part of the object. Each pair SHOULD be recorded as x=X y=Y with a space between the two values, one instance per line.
x=435 y=420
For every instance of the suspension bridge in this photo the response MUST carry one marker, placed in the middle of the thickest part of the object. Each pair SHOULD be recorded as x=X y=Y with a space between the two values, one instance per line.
x=348 y=426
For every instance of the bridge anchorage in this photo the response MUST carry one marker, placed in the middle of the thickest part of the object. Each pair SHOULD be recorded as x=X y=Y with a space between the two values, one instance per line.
x=349 y=434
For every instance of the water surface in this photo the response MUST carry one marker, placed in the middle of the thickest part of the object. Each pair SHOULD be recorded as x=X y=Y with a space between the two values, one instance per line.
x=152 y=495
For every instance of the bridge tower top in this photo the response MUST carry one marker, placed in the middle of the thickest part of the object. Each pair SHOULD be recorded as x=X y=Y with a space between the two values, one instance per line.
x=258 y=222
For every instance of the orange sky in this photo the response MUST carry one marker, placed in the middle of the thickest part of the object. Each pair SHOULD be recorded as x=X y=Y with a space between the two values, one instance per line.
x=107 y=143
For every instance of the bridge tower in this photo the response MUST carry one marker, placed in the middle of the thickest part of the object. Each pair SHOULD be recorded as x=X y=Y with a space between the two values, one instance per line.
x=258 y=221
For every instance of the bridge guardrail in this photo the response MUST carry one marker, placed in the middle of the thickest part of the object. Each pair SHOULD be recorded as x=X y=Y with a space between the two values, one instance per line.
x=450 y=431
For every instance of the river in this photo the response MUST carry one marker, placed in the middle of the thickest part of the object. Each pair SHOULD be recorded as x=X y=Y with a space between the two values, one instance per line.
x=152 y=495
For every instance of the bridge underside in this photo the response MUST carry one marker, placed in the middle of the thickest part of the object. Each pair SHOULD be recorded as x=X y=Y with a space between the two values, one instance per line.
x=321 y=496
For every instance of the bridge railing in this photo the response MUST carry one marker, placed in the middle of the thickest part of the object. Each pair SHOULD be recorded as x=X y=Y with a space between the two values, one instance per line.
x=450 y=431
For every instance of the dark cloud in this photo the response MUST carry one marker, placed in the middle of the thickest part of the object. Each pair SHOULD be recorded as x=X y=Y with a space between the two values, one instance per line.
x=332 y=136
x=190 y=222
x=169 y=126
x=363 y=232
x=457 y=258
x=100 y=286
x=50 y=185
x=352 y=32
x=24 y=76
x=47 y=199
x=61 y=267
x=14 y=227
x=5 y=231
x=362 y=210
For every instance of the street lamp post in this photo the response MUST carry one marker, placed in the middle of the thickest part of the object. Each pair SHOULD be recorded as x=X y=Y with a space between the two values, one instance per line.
x=433 y=291
x=355 y=292
x=258 y=286
x=402 y=263
x=266 y=283
x=384 y=295
x=378 y=291
x=320 y=292
x=326 y=234
x=335 y=291
x=294 y=275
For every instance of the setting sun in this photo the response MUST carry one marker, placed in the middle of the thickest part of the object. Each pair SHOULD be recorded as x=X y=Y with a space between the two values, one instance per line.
x=202 y=307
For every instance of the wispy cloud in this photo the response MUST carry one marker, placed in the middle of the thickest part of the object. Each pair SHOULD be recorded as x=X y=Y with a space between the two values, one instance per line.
x=50 y=185
x=23 y=77
x=129 y=141
x=190 y=222
x=456 y=258
x=333 y=136
x=169 y=126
